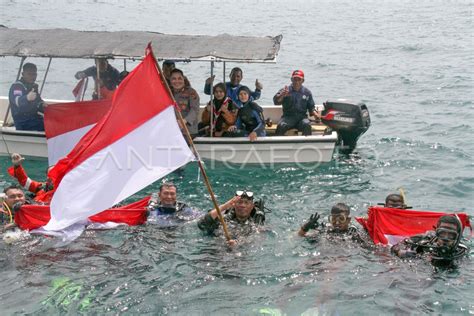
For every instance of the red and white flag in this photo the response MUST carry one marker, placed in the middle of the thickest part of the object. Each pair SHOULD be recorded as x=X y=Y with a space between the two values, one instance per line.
x=389 y=226
x=136 y=143
x=66 y=123
x=80 y=89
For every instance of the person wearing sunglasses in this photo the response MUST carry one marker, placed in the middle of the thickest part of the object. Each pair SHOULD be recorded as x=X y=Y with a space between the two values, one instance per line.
x=443 y=245
x=164 y=209
x=240 y=213
x=338 y=223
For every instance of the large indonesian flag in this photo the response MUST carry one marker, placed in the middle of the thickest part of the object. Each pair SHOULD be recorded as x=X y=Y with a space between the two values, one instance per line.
x=389 y=226
x=137 y=142
x=66 y=123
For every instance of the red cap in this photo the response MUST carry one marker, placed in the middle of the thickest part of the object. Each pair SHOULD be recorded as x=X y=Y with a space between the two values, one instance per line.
x=298 y=73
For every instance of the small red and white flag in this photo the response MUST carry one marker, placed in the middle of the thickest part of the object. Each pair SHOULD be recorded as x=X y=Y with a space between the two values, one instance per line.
x=389 y=226
x=66 y=123
x=136 y=143
x=80 y=89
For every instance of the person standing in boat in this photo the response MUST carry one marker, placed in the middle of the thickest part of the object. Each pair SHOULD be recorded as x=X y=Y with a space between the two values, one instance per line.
x=224 y=112
x=232 y=87
x=297 y=101
x=187 y=100
x=250 y=121
x=109 y=78
x=164 y=209
x=25 y=102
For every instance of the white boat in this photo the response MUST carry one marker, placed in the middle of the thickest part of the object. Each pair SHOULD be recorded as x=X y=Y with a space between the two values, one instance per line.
x=295 y=148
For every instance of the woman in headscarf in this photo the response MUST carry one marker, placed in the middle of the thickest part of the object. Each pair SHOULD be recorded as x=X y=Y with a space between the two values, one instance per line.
x=224 y=112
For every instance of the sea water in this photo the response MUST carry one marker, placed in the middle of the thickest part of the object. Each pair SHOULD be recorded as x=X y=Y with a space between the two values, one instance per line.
x=410 y=62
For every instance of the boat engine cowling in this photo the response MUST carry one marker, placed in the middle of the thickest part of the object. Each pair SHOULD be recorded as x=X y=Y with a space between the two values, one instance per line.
x=349 y=119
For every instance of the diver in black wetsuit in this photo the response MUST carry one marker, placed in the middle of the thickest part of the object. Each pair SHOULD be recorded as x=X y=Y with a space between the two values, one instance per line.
x=339 y=224
x=240 y=213
x=443 y=245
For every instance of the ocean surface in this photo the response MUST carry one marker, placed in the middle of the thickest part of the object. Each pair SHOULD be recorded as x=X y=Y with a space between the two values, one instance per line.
x=411 y=62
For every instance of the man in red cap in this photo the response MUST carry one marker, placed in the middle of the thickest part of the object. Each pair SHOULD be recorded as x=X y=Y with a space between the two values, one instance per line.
x=297 y=101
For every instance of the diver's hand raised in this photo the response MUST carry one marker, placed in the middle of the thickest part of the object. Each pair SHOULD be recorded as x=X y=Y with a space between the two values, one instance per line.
x=312 y=223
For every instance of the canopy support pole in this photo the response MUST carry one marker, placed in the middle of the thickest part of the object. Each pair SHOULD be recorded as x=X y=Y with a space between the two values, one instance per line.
x=211 y=123
x=223 y=72
x=17 y=78
x=124 y=65
x=97 y=81
x=45 y=75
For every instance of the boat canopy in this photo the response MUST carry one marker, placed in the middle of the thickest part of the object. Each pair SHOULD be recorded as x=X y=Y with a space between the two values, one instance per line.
x=66 y=43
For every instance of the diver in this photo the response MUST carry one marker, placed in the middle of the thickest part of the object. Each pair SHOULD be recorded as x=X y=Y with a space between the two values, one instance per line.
x=443 y=245
x=164 y=210
x=395 y=201
x=241 y=214
x=339 y=224
x=43 y=191
x=13 y=198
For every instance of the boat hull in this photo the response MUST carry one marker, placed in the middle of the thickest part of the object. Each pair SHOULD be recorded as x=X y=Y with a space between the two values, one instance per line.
x=239 y=150
x=268 y=150
x=23 y=142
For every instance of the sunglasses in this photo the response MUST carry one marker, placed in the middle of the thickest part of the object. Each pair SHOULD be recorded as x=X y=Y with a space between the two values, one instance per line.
x=340 y=218
x=244 y=194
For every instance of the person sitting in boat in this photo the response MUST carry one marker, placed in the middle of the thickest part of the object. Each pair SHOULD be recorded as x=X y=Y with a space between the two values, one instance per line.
x=443 y=245
x=43 y=191
x=109 y=78
x=395 y=201
x=250 y=121
x=187 y=100
x=339 y=224
x=240 y=213
x=25 y=102
x=232 y=87
x=13 y=199
x=224 y=113
x=297 y=101
x=164 y=209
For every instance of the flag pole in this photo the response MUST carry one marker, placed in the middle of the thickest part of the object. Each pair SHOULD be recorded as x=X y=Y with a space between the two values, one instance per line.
x=191 y=143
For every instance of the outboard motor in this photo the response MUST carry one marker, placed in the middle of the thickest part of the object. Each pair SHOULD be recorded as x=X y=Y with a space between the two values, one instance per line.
x=348 y=119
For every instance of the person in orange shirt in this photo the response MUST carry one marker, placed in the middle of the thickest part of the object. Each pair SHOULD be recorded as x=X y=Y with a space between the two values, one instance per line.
x=43 y=190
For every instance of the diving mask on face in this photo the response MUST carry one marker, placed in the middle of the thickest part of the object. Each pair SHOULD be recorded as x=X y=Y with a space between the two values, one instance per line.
x=338 y=218
x=446 y=234
x=244 y=193
x=450 y=239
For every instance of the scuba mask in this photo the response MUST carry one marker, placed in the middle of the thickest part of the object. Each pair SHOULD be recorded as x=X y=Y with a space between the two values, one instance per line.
x=338 y=218
x=451 y=238
x=244 y=193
